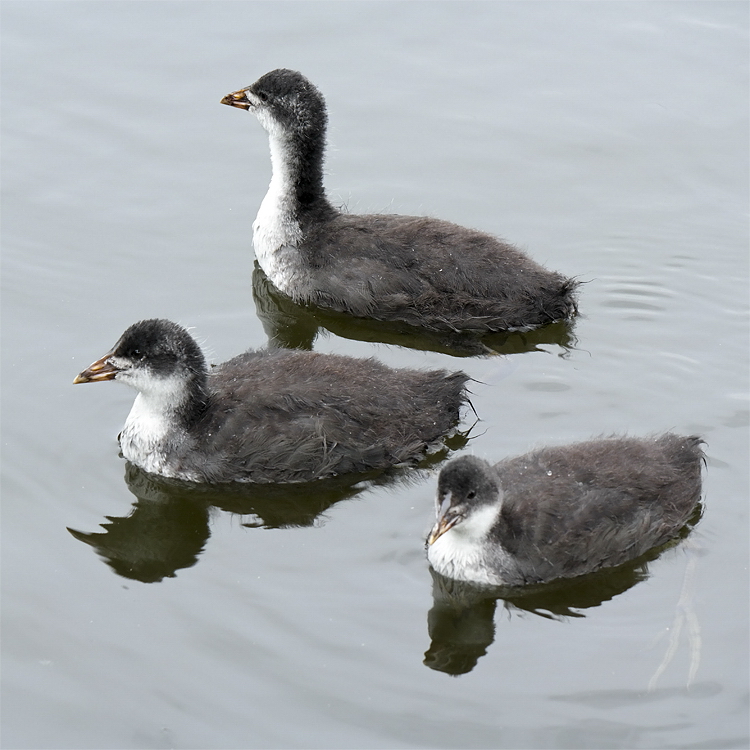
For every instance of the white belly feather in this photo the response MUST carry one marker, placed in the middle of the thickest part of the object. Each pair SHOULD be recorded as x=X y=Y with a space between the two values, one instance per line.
x=461 y=552
x=453 y=557
x=143 y=438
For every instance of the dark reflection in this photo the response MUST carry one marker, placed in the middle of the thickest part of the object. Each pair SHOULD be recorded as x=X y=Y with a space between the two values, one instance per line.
x=461 y=622
x=292 y=326
x=165 y=531
x=168 y=525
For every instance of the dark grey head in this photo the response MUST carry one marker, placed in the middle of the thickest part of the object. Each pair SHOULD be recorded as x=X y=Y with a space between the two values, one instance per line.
x=466 y=486
x=285 y=103
x=156 y=357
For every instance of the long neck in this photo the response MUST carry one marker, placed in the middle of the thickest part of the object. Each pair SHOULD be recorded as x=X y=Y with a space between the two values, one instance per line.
x=297 y=180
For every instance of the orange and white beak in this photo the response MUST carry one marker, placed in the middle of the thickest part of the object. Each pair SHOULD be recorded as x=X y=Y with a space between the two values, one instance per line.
x=237 y=99
x=446 y=520
x=102 y=369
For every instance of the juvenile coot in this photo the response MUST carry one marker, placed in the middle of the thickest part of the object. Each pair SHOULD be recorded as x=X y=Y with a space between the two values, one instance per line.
x=562 y=512
x=270 y=416
x=418 y=270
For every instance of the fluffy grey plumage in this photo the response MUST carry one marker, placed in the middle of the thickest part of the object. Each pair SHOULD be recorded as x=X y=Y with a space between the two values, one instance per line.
x=422 y=271
x=563 y=512
x=271 y=416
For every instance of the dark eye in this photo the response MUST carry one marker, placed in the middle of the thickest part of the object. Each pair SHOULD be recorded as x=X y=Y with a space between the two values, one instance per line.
x=262 y=95
x=470 y=495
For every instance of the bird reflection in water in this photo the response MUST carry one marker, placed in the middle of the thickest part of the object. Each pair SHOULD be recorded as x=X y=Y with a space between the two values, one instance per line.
x=461 y=623
x=168 y=526
x=292 y=326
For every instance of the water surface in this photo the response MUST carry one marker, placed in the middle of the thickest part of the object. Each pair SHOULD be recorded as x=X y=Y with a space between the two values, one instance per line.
x=610 y=140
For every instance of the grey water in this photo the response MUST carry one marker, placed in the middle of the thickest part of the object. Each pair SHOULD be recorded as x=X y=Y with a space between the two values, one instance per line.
x=609 y=140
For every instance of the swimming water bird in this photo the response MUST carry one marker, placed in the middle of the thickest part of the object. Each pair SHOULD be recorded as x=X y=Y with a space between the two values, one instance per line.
x=564 y=511
x=271 y=416
x=418 y=270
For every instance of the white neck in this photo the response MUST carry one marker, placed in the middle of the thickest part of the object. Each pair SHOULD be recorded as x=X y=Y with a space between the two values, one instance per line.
x=276 y=231
x=152 y=426
x=282 y=175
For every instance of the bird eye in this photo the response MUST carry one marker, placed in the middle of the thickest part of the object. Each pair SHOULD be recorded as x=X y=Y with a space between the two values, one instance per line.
x=470 y=495
x=262 y=95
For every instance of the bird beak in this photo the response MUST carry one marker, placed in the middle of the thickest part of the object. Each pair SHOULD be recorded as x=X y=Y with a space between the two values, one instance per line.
x=444 y=522
x=102 y=369
x=238 y=99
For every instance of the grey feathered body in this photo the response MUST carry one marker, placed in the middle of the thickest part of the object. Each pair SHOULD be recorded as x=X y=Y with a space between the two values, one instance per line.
x=572 y=510
x=286 y=416
x=428 y=273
